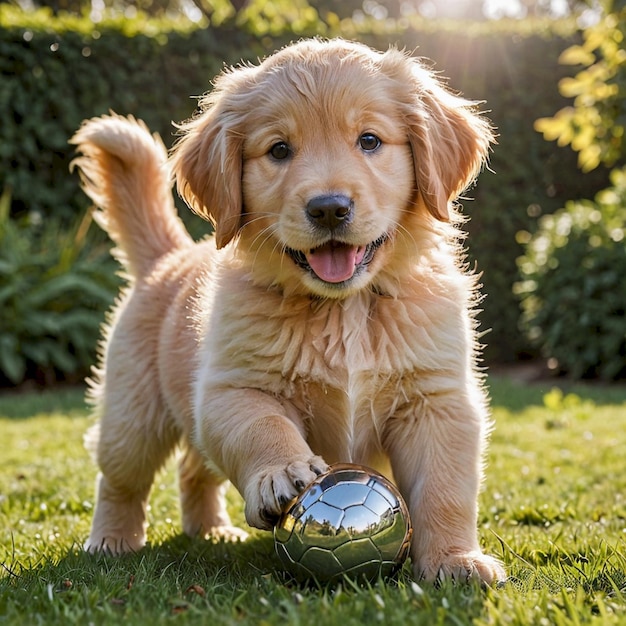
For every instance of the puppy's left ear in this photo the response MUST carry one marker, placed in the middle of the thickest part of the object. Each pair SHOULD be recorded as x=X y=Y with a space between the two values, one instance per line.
x=449 y=140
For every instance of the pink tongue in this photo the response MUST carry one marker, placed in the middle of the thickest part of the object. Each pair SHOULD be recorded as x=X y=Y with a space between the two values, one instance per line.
x=335 y=262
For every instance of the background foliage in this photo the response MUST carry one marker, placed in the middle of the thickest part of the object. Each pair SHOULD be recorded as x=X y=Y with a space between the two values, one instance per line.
x=574 y=288
x=55 y=282
x=595 y=125
x=56 y=70
x=574 y=285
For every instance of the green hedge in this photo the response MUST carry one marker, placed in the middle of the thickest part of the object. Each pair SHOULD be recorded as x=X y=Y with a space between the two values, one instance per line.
x=57 y=72
x=54 y=72
x=573 y=287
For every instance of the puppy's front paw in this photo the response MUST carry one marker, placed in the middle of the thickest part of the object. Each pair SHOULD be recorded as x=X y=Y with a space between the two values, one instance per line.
x=462 y=567
x=270 y=490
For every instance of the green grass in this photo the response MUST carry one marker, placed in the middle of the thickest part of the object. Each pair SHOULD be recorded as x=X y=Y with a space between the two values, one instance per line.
x=553 y=508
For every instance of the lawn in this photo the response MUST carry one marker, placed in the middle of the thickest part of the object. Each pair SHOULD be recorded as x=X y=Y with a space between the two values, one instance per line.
x=553 y=508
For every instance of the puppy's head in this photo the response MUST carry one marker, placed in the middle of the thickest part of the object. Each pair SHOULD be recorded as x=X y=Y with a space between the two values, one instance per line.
x=324 y=156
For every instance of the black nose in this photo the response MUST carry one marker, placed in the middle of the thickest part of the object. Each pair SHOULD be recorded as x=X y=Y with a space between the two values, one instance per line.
x=330 y=210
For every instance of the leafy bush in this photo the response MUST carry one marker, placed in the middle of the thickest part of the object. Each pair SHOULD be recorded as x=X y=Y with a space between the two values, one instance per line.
x=595 y=126
x=574 y=295
x=54 y=286
x=573 y=286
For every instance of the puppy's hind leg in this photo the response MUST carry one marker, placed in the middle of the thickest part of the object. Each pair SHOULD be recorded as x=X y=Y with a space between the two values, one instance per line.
x=135 y=438
x=203 y=502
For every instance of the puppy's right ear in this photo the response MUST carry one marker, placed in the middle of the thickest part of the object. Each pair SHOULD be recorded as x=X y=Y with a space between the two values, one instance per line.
x=207 y=160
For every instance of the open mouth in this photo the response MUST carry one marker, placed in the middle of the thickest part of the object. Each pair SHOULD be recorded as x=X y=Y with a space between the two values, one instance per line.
x=336 y=262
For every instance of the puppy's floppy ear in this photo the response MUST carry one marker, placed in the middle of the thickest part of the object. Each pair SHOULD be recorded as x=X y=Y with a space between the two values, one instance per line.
x=207 y=160
x=449 y=140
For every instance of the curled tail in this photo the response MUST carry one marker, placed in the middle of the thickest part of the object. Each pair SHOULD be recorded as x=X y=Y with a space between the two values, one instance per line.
x=124 y=171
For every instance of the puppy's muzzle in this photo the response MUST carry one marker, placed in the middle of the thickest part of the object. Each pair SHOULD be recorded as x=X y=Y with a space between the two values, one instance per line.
x=330 y=211
x=334 y=261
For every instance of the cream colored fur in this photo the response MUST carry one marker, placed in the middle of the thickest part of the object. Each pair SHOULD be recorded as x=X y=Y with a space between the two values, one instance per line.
x=264 y=371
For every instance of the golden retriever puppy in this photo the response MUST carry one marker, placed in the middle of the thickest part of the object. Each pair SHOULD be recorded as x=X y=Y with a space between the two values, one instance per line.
x=329 y=319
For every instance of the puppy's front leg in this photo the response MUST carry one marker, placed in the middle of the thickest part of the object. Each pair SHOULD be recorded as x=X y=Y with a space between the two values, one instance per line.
x=260 y=448
x=435 y=447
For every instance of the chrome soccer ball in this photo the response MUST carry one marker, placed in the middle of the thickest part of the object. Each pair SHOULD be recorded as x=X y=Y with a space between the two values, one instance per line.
x=350 y=521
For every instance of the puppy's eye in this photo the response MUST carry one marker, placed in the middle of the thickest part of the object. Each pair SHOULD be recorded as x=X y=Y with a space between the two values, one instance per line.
x=280 y=151
x=368 y=142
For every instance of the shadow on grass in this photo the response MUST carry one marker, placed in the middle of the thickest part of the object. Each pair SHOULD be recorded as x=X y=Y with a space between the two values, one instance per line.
x=168 y=572
x=178 y=563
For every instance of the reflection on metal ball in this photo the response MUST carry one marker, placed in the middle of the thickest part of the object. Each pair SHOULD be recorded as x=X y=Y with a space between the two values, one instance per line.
x=350 y=521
